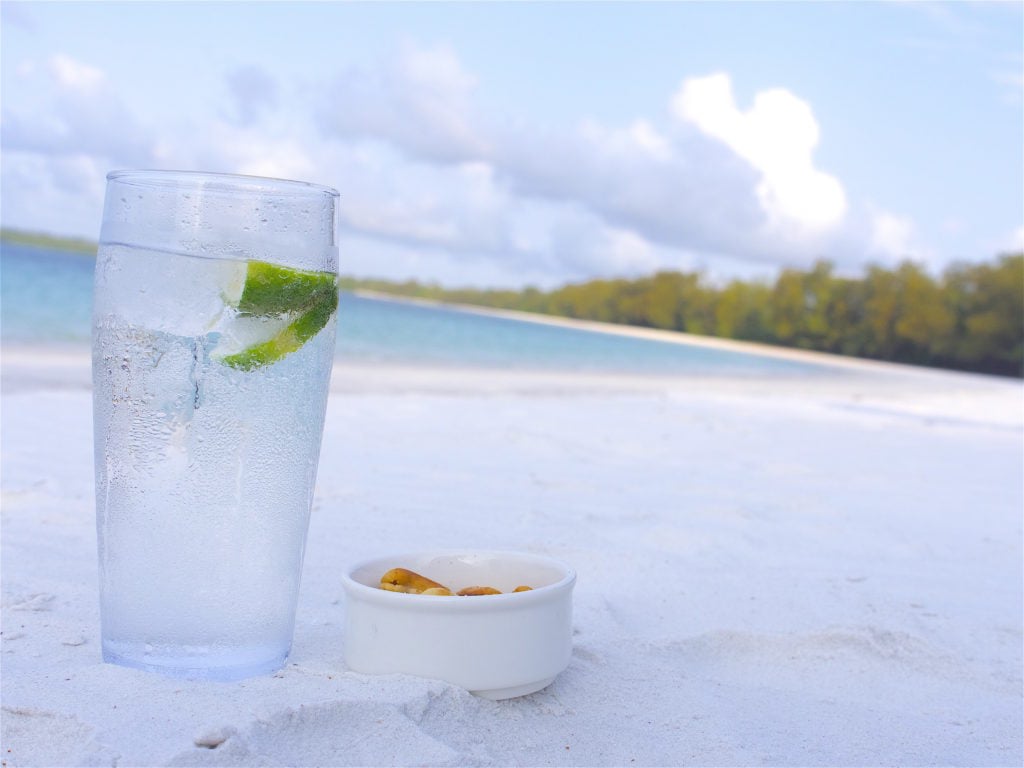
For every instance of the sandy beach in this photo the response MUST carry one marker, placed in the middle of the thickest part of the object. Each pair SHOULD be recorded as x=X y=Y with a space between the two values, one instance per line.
x=770 y=572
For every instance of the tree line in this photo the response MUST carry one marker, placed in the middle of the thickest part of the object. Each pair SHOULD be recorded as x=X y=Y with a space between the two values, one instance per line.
x=42 y=240
x=969 y=318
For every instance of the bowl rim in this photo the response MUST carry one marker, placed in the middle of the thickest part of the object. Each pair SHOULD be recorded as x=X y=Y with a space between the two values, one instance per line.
x=446 y=603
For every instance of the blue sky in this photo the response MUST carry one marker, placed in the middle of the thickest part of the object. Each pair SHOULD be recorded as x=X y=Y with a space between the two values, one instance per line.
x=513 y=143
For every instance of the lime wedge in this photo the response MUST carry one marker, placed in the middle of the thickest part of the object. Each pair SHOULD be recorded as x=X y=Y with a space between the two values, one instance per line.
x=278 y=310
x=272 y=290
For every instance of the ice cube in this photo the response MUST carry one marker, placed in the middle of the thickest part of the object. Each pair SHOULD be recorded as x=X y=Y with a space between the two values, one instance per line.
x=240 y=332
x=179 y=295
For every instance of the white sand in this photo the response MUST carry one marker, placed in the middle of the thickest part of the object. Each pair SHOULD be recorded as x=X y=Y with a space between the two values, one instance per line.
x=810 y=572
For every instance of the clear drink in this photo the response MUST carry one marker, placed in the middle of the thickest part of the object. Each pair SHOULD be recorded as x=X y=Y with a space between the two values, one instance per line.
x=210 y=387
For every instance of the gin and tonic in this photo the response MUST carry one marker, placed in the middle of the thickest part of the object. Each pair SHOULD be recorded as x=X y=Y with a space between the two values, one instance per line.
x=213 y=341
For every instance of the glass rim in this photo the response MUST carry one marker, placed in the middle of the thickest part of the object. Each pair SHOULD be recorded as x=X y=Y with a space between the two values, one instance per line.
x=230 y=181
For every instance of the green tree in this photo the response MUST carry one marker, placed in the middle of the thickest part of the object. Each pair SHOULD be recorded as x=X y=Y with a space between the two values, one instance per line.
x=742 y=311
x=987 y=306
x=787 y=307
x=972 y=318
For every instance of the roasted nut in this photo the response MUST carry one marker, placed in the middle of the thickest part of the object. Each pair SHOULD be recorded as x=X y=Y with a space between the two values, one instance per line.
x=473 y=591
x=412 y=583
x=404 y=580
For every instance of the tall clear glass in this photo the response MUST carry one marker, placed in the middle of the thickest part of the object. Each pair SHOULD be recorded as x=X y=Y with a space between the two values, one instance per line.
x=213 y=341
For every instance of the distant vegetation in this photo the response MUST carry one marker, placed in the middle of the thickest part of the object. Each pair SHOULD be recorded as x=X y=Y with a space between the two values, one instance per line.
x=971 y=318
x=73 y=244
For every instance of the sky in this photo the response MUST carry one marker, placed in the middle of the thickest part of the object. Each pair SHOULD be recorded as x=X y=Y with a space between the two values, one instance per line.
x=506 y=144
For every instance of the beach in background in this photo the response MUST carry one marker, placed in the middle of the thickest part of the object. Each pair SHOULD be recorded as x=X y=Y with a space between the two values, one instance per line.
x=783 y=559
x=47 y=301
x=622 y=284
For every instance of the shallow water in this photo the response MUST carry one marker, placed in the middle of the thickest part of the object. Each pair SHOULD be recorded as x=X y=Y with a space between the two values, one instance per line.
x=47 y=298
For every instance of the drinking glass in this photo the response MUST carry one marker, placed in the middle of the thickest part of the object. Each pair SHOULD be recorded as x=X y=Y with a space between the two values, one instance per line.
x=213 y=341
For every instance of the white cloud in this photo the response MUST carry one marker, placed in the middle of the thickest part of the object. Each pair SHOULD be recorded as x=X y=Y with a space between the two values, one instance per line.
x=756 y=196
x=640 y=139
x=679 y=191
x=62 y=195
x=436 y=185
x=419 y=166
x=75 y=75
x=81 y=114
x=623 y=252
x=258 y=155
x=384 y=194
x=778 y=136
x=467 y=213
x=419 y=100
x=891 y=235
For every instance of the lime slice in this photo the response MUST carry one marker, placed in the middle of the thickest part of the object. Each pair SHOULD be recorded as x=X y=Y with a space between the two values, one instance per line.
x=272 y=290
x=278 y=310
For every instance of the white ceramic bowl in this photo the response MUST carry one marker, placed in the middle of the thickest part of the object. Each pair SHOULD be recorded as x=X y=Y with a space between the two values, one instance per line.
x=496 y=646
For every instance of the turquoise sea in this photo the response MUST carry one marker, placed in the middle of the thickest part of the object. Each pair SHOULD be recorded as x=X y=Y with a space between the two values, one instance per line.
x=47 y=299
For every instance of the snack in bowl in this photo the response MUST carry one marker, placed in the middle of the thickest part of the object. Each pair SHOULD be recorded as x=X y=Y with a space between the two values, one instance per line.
x=521 y=638
x=412 y=583
x=476 y=591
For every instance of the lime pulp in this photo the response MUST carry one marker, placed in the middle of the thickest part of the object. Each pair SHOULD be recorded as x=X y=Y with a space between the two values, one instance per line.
x=306 y=299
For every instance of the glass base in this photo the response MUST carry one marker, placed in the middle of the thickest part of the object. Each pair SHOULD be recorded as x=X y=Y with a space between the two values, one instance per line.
x=497 y=694
x=225 y=666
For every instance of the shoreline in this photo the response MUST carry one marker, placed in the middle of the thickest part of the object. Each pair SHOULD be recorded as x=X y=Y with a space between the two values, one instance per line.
x=670 y=337
x=826 y=360
x=900 y=391
x=21 y=355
